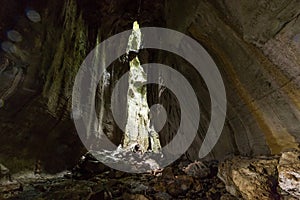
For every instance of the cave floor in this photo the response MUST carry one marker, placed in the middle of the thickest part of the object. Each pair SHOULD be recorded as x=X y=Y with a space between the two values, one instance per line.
x=170 y=183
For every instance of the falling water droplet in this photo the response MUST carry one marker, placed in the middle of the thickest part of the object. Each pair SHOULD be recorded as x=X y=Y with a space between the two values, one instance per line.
x=8 y=47
x=33 y=16
x=14 y=35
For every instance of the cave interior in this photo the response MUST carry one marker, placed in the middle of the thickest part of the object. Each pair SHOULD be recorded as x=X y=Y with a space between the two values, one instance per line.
x=50 y=50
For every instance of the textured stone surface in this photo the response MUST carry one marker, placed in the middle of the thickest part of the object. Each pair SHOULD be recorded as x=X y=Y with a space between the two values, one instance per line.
x=263 y=108
x=275 y=177
x=39 y=108
x=109 y=185
x=3 y=170
x=139 y=133
x=259 y=20
x=254 y=43
x=9 y=187
x=250 y=178
x=197 y=169
x=26 y=117
x=4 y=173
x=289 y=173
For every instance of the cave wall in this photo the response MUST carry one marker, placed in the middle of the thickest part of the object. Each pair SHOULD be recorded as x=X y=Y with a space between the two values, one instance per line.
x=32 y=127
x=256 y=47
x=36 y=120
x=255 y=44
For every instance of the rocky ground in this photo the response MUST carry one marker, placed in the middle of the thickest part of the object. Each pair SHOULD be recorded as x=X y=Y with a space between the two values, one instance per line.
x=275 y=177
x=91 y=180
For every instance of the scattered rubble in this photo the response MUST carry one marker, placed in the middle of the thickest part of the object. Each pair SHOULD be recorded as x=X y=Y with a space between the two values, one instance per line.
x=92 y=180
x=273 y=177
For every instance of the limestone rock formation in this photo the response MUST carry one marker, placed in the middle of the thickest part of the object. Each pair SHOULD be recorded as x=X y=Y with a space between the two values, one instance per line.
x=262 y=177
x=255 y=45
x=250 y=178
x=257 y=20
x=289 y=173
x=138 y=131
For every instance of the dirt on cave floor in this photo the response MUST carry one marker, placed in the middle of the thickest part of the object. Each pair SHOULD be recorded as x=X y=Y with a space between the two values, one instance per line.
x=173 y=182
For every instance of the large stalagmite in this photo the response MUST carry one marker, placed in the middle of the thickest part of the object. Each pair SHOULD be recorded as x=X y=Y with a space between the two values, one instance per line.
x=138 y=132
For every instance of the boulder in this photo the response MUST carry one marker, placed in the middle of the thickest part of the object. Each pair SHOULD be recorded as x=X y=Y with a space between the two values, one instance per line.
x=289 y=173
x=3 y=170
x=87 y=167
x=250 y=178
x=4 y=173
x=197 y=169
